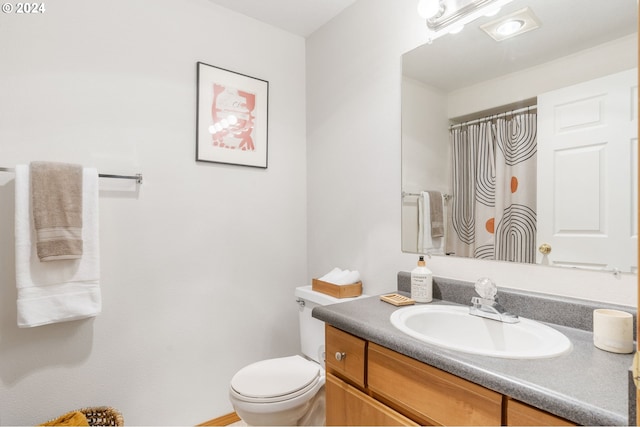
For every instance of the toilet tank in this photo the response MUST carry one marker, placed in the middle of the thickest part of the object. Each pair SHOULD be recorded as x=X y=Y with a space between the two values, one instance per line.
x=311 y=329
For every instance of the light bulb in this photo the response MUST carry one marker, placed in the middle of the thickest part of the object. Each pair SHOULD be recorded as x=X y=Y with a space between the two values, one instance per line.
x=428 y=8
x=510 y=27
x=456 y=29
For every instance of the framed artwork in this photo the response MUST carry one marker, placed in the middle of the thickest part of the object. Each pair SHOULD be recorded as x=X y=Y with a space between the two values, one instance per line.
x=232 y=117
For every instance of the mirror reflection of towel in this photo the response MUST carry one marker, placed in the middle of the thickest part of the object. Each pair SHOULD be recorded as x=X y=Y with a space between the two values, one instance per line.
x=436 y=208
x=427 y=244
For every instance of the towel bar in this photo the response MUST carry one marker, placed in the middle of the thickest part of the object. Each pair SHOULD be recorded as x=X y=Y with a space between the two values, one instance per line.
x=137 y=177
x=405 y=194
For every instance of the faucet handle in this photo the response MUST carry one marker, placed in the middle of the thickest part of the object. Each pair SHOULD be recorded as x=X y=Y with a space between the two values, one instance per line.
x=483 y=302
x=486 y=288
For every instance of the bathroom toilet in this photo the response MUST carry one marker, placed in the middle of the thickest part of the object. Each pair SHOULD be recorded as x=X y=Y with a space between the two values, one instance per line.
x=287 y=390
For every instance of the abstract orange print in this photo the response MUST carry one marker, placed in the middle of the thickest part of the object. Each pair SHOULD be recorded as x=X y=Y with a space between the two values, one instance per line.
x=233 y=115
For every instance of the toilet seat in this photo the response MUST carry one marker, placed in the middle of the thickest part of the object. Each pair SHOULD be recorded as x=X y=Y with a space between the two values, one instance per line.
x=276 y=380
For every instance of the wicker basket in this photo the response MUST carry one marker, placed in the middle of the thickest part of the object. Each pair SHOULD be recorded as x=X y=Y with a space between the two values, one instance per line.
x=103 y=416
x=100 y=416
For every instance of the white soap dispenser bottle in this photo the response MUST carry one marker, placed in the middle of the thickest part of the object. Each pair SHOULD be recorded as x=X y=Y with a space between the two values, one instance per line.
x=421 y=282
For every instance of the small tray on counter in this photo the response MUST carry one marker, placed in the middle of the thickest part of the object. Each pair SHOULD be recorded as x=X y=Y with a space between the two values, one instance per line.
x=397 y=299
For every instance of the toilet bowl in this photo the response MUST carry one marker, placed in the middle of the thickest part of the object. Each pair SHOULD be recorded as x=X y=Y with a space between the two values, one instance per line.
x=280 y=391
x=287 y=390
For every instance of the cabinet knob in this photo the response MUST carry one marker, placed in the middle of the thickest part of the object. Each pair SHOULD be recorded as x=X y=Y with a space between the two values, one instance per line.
x=340 y=355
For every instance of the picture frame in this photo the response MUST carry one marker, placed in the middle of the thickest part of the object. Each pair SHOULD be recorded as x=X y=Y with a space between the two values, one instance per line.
x=232 y=117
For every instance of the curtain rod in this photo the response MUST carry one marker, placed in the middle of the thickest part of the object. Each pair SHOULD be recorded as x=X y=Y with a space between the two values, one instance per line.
x=137 y=177
x=494 y=116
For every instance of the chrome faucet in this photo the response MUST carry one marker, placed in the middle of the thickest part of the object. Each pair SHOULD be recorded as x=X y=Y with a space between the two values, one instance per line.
x=486 y=305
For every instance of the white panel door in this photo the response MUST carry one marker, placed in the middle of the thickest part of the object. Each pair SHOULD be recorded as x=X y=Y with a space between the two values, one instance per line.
x=587 y=173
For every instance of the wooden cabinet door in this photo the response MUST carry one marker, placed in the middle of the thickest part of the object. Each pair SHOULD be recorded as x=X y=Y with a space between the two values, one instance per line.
x=345 y=355
x=428 y=395
x=347 y=406
x=520 y=414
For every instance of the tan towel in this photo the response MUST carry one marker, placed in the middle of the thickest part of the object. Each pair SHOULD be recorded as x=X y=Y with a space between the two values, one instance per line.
x=74 y=418
x=64 y=290
x=56 y=203
x=435 y=207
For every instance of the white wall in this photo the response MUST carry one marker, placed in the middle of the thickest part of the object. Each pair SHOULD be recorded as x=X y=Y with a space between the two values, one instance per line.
x=199 y=266
x=354 y=173
x=425 y=151
x=620 y=54
x=425 y=137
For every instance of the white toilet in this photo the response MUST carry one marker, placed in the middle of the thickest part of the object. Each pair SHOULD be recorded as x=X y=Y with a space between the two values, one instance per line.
x=287 y=390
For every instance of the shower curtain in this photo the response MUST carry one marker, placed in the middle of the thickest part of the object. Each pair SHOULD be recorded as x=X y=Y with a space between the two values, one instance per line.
x=494 y=188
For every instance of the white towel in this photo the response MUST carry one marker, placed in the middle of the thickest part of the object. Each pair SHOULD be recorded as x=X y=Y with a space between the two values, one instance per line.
x=341 y=277
x=62 y=290
x=426 y=243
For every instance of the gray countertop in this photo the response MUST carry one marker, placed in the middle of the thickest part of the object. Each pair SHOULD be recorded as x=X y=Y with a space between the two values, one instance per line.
x=588 y=386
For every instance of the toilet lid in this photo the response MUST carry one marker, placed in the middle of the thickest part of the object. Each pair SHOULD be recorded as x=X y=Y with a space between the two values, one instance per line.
x=275 y=377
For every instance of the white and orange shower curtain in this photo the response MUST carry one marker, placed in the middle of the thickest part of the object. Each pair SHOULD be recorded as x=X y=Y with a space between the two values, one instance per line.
x=494 y=188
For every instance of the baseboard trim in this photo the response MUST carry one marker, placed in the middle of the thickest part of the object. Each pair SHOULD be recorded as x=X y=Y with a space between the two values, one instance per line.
x=224 y=420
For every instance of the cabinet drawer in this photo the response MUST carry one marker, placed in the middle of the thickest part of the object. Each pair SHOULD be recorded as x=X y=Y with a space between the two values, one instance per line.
x=428 y=395
x=347 y=406
x=345 y=355
x=521 y=414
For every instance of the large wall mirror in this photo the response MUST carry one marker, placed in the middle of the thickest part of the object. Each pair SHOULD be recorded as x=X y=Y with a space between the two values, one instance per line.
x=525 y=149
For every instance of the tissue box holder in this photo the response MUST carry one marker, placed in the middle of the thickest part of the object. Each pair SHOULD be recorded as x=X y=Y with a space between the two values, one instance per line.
x=337 y=291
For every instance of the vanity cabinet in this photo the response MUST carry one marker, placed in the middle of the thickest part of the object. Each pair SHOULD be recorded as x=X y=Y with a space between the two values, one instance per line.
x=348 y=406
x=347 y=401
x=345 y=355
x=521 y=414
x=428 y=395
x=368 y=384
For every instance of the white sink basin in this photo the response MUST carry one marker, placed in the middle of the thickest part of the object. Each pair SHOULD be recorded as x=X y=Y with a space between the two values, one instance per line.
x=452 y=327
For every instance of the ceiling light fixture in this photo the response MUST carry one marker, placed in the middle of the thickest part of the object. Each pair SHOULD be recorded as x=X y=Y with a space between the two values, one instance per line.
x=429 y=9
x=449 y=16
x=455 y=29
x=514 y=24
x=509 y=27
